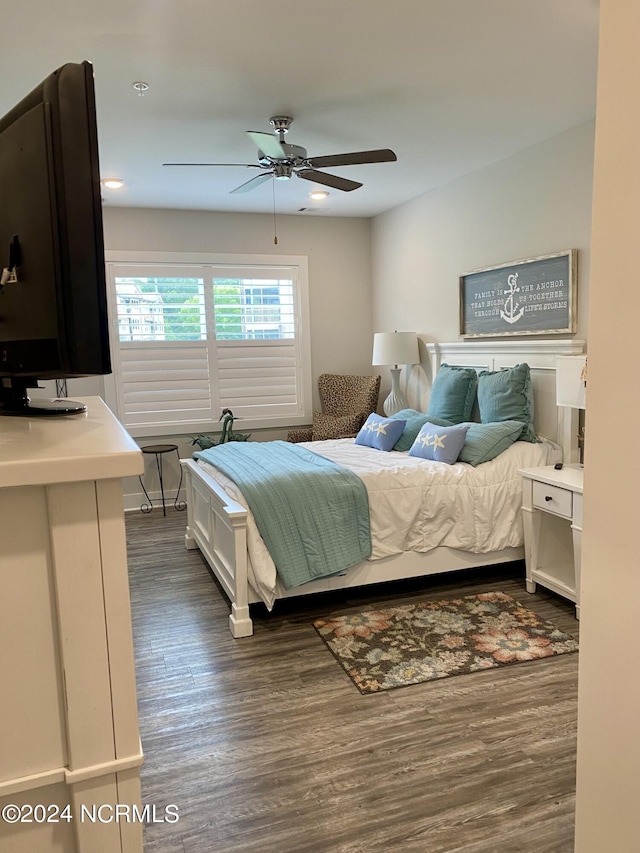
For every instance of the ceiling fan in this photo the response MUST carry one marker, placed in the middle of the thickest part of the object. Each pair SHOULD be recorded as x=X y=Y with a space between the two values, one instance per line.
x=282 y=161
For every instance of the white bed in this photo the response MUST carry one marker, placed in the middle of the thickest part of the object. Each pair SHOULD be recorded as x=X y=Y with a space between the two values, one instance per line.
x=414 y=530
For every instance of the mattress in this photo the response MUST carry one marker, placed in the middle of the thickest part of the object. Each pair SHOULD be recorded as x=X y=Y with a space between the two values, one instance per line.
x=416 y=504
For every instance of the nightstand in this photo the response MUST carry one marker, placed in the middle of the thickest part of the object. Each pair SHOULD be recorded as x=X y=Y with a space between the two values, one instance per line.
x=552 y=518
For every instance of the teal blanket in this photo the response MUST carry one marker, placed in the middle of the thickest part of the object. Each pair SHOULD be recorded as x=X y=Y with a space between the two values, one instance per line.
x=312 y=513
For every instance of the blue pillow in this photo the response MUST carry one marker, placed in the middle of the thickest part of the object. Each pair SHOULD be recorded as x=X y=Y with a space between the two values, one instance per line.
x=380 y=433
x=486 y=441
x=507 y=395
x=441 y=444
x=453 y=393
x=414 y=422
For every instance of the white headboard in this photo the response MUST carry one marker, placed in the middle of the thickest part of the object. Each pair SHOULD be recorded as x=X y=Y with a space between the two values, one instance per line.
x=558 y=424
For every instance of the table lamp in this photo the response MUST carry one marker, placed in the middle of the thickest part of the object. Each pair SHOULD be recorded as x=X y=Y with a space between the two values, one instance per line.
x=571 y=387
x=394 y=348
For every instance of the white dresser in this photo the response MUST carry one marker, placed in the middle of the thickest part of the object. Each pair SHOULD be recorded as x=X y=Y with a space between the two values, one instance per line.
x=68 y=714
x=552 y=518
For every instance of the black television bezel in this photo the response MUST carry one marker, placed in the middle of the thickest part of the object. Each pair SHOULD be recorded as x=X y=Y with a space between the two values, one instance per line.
x=81 y=346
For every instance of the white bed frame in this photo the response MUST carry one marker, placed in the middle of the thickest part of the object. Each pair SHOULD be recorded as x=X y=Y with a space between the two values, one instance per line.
x=216 y=524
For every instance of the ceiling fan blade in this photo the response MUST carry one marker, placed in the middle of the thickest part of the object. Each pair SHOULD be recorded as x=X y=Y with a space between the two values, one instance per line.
x=252 y=183
x=356 y=158
x=268 y=144
x=328 y=180
x=247 y=165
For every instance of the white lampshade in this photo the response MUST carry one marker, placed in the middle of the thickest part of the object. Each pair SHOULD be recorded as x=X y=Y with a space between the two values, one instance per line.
x=571 y=384
x=395 y=348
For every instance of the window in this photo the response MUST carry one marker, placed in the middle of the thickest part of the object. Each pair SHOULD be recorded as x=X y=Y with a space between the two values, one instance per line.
x=190 y=339
x=250 y=309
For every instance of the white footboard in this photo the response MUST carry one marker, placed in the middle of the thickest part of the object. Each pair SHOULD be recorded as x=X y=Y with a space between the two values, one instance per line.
x=216 y=525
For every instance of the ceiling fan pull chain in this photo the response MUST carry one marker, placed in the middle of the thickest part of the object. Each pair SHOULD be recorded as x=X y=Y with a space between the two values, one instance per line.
x=275 y=232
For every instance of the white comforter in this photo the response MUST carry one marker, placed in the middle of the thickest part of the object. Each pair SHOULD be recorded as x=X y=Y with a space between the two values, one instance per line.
x=417 y=505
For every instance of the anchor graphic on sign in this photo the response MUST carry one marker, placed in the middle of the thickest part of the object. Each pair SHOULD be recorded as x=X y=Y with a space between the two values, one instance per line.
x=512 y=311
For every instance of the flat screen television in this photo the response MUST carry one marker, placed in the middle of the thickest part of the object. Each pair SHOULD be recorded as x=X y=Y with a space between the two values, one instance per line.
x=53 y=301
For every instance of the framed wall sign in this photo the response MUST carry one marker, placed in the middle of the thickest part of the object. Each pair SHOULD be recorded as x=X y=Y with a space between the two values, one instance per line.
x=536 y=296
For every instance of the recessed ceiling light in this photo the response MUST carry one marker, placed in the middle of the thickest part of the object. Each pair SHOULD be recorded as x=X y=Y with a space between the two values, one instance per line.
x=319 y=195
x=112 y=183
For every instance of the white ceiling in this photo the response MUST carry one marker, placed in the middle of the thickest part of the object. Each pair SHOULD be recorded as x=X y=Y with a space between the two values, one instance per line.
x=450 y=85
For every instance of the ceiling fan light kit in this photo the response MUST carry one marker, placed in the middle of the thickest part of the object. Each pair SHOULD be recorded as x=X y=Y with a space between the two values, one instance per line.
x=280 y=124
x=281 y=171
x=280 y=160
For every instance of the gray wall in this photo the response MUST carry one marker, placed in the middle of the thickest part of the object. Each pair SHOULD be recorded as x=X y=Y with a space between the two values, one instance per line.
x=535 y=203
x=399 y=270
x=339 y=253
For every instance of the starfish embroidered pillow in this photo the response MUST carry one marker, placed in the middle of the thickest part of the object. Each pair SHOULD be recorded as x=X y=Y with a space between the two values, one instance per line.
x=439 y=444
x=380 y=433
x=414 y=422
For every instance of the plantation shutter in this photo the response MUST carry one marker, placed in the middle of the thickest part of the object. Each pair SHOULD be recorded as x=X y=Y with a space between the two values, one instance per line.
x=256 y=346
x=188 y=341
x=165 y=383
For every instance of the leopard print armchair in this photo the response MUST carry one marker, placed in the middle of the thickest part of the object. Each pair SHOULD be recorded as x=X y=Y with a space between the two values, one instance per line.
x=347 y=401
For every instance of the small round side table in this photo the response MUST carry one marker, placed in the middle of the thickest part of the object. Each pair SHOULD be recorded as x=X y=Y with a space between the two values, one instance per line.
x=158 y=450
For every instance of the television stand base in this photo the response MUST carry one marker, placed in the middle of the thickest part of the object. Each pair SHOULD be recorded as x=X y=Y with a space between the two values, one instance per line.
x=41 y=408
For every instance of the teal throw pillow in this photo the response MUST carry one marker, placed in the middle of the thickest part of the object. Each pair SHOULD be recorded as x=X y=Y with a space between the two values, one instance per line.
x=438 y=443
x=380 y=433
x=414 y=422
x=486 y=441
x=453 y=393
x=507 y=395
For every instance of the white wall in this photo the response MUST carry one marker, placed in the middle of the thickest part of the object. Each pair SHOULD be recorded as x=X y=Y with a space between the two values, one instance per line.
x=534 y=203
x=608 y=793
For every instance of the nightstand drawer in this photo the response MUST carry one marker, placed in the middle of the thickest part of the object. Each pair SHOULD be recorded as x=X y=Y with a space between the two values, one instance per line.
x=553 y=499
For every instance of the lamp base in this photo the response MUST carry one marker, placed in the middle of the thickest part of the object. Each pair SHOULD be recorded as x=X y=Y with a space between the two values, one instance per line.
x=396 y=401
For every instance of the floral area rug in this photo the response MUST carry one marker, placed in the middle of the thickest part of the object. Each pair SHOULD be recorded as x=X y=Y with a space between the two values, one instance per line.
x=398 y=646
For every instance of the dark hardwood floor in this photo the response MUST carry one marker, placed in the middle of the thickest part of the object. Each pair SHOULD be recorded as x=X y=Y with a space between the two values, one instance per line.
x=264 y=744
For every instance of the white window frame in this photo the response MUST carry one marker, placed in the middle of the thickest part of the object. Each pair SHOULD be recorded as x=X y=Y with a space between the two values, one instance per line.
x=182 y=259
